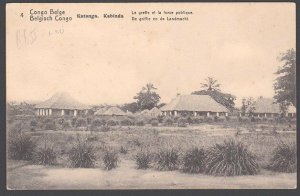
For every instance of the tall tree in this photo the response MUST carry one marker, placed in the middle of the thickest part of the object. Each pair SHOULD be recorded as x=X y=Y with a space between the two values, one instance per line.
x=285 y=83
x=211 y=84
x=147 y=98
x=211 y=88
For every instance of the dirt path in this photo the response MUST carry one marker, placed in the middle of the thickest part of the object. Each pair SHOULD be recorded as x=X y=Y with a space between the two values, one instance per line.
x=128 y=177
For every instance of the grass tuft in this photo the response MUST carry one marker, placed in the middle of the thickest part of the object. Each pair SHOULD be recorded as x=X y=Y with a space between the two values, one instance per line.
x=284 y=158
x=230 y=158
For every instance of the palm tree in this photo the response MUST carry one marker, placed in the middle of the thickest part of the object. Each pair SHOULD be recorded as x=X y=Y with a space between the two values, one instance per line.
x=148 y=88
x=211 y=84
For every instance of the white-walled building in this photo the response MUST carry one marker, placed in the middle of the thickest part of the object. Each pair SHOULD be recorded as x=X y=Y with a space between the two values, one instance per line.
x=61 y=104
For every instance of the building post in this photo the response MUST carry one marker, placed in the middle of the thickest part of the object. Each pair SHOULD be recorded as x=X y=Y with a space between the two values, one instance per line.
x=47 y=112
x=207 y=114
x=62 y=112
x=226 y=114
x=175 y=113
x=266 y=115
x=50 y=112
x=195 y=113
x=217 y=113
x=170 y=113
x=75 y=112
x=258 y=115
x=43 y=112
x=240 y=114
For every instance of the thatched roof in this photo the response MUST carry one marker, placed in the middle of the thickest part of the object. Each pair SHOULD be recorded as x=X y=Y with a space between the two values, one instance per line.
x=198 y=103
x=100 y=111
x=114 y=111
x=264 y=105
x=155 y=111
x=62 y=101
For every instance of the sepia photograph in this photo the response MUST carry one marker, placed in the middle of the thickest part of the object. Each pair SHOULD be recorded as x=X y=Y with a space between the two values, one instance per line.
x=103 y=96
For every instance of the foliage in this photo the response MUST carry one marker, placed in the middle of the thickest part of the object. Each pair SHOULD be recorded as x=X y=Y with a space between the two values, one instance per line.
x=194 y=160
x=285 y=84
x=81 y=122
x=110 y=159
x=50 y=126
x=140 y=123
x=20 y=146
x=143 y=159
x=82 y=154
x=132 y=107
x=230 y=159
x=182 y=122
x=154 y=123
x=167 y=159
x=284 y=158
x=147 y=98
x=45 y=155
x=168 y=121
x=127 y=122
x=123 y=150
x=112 y=122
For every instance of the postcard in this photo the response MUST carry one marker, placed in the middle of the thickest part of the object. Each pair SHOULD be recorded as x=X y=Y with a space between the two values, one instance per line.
x=151 y=96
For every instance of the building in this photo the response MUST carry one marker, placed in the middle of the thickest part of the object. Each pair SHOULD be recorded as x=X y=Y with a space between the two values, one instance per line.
x=266 y=107
x=196 y=105
x=61 y=104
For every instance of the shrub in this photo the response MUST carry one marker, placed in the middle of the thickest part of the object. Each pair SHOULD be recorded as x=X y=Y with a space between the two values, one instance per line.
x=182 y=122
x=98 y=122
x=123 y=150
x=154 y=123
x=81 y=122
x=143 y=159
x=167 y=159
x=66 y=125
x=284 y=158
x=73 y=123
x=33 y=123
x=112 y=122
x=127 y=122
x=193 y=161
x=110 y=159
x=197 y=120
x=45 y=156
x=140 y=123
x=50 y=126
x=82 y=154
x=209 y=119
x=230 y=159
x=168 y=121
x=21 y=147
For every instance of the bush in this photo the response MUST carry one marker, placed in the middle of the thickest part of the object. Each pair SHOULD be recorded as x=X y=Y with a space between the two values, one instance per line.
x=123 y=150
x=167 y=159
x=81 y=122
x=154 y=123
x=143 y=159
x=197 y=120
x=182 y=122
x=127 y=122
x=66 y=125
x=50 y=126
x=98 y=122
x=193 y=161
x=209 y=119
x=230 y=159
x=168 y=121
x=73 y=123
x=45 y=156
x=21 y=147
x=33 y=123
x=110 y=159
x=140 y=123
x=112 y=122
x=284 y=158
x=82 y=154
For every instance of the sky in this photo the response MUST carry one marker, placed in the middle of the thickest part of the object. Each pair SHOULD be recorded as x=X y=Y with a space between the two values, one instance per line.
x=109 y=60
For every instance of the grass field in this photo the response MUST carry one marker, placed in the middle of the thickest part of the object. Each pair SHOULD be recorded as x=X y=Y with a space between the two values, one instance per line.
x=260 y=139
